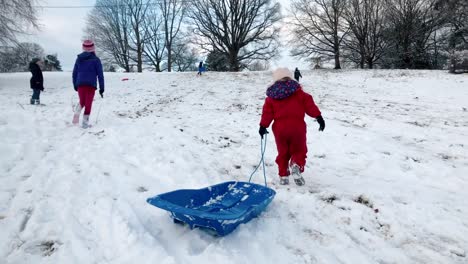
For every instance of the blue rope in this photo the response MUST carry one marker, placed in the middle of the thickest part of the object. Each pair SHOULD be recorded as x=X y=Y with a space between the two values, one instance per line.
x=262 y=160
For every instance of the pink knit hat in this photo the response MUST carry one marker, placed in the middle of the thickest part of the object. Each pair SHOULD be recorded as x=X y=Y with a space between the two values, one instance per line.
x=88 y=46
x=280 y=73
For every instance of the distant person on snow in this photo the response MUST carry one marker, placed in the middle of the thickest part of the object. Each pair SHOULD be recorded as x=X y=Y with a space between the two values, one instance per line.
x=297 y=74
x=200 y=68
x=87 y=69
x=286 y=104
x=37 y=80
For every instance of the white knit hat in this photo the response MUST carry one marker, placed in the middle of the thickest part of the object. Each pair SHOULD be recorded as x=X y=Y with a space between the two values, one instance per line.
x=280 y=73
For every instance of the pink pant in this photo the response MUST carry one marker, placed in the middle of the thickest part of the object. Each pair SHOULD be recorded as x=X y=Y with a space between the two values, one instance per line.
x=86 y=94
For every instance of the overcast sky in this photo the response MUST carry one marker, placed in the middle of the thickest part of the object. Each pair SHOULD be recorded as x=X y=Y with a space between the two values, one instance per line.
x=62 y=32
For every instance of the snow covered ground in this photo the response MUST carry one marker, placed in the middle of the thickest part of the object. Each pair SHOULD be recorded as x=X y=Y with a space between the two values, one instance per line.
x=386 y=181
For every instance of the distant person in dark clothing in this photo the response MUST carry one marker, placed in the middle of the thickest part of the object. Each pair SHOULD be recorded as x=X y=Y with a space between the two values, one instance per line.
x=200 y=68
x=37 y=80
x=297 y=74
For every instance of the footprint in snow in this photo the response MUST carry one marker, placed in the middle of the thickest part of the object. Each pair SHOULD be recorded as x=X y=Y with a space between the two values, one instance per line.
x=45 y=248
x=364 y=201
x=142 y=189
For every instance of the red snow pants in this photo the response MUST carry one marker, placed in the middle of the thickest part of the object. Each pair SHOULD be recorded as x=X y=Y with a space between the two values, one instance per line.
x=86 y=94
x=291 y=142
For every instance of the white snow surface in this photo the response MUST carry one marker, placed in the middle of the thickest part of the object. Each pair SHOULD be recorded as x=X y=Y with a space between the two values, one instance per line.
x=386 y=182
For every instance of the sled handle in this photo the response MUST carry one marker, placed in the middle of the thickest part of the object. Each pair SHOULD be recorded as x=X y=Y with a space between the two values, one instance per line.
x=262 y=159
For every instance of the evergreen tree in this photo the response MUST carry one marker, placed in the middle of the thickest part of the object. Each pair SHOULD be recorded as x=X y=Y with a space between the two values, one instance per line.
x=51 y=63
x=217 y=61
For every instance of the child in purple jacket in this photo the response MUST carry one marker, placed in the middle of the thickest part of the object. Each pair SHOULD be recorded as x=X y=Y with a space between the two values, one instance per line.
x=87 y=70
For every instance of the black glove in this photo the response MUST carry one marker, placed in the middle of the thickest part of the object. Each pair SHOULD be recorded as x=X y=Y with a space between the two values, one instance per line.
x=42 y=89
x=321 y=123
x=101 y=92
x=262 y=131
x=76 y=88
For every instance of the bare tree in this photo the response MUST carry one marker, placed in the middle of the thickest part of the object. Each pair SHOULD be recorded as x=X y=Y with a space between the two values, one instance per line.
x=243 y=30
x=155 y=41
x=15 y=17
x=185 y=58
x=137 y=10
x=173 y=12
x=110 y=27
x=366 y=20
x=319 y=28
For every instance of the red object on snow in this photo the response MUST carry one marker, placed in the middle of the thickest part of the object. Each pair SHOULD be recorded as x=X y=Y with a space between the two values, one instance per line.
x=124 y=79
x=289 y=127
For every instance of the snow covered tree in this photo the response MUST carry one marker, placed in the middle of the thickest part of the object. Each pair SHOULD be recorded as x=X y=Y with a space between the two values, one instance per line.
x=17 y=58
x=318 y=28
x=244 y=30
x=25 y=52
x=15 y=18
x=456 y=35
x=7 y=59
x=410 y=34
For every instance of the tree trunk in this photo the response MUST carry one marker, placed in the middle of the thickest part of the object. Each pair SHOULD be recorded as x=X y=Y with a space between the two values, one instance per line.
x=169 y=58
x=139 y=59
x=158 y=66
x=140 y=62
x=127 y=65
x=139 y=50
x=407 y=61
x=362 y=53
x=233 y=62
x=337 y=59
x=452 y=64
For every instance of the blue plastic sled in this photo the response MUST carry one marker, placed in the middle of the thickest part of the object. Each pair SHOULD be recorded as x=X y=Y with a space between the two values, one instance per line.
x=219 y=208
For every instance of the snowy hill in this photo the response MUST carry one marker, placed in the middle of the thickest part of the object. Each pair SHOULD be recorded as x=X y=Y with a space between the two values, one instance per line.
x=386 y=182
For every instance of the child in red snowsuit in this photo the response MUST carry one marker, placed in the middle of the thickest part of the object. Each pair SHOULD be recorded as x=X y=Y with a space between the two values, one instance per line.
x=286 y=104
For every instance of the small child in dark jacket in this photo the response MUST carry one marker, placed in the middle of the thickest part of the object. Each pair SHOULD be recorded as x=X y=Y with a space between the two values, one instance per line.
x=286 y=104
x=37 y=80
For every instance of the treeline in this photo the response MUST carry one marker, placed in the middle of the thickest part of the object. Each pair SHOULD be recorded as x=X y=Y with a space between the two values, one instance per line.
x=167 y=35
x=170 y=34
x=16 y=58
x=17 y=17
x=240 y=34
x=409 y=34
